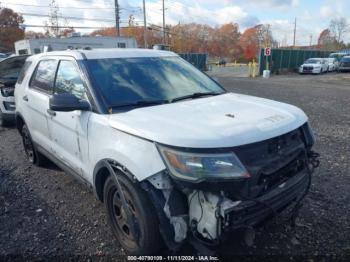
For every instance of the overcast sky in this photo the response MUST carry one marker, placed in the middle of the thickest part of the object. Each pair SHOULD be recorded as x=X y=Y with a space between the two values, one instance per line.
x=312 y=15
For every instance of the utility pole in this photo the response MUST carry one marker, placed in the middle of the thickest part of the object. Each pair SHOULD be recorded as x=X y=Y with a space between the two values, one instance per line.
x=311 y=40
x=295 y=32
x=164 y=36
x=117 y=26
x=145 y=24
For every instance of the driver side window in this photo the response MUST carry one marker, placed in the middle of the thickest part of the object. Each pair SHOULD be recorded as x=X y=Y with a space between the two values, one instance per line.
x=68 y=80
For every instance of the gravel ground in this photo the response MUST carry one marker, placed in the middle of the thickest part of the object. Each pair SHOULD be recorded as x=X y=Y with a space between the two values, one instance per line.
x=45 y=213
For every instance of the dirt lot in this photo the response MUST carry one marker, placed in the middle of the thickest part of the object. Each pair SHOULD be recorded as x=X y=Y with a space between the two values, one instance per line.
x=44 y=212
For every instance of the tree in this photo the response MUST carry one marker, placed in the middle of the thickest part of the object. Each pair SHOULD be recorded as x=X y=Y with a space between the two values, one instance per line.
x=10 y=29
x=108 y=31
x=67 y=31
x=326 y=41
x=224 y=41
x=153 y=37
x=254 y=38
x=220 y=41
x=249 y=43
x=338 y=28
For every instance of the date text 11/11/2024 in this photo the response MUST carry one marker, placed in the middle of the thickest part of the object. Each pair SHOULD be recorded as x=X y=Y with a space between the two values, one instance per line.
x=173 y=258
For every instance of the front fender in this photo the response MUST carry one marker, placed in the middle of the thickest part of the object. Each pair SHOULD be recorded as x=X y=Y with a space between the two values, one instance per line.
x=139 y=156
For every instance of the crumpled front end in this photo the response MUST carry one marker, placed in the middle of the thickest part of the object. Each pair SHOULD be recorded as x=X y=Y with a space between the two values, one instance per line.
x=279 y=175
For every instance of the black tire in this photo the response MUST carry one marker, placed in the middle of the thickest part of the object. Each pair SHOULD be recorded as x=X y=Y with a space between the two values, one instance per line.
x=3 y=122
x=148 y=242
x=32 y=154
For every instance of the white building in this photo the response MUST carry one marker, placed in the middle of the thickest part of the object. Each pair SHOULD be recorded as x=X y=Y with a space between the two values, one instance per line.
x=35 y=46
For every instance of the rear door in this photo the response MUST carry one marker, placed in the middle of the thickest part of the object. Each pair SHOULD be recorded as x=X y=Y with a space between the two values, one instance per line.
x=69 y=129
x=36 y=101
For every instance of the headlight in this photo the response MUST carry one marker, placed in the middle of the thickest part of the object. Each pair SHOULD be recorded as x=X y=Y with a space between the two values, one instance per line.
x=196 y=167
x=7 y=91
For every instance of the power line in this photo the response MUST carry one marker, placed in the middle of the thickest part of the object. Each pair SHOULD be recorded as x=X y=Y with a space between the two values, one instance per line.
x=74 y=27
x=47 y=6
x=70 y=17
x=75 y=7
x=77 y=18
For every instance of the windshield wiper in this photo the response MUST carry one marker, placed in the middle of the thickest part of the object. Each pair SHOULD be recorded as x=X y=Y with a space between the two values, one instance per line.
x=194 y=95
x=142 y=103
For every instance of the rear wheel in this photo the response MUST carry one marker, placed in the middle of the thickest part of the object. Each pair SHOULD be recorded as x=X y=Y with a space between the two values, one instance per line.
x=139 y=235
x=32 y=154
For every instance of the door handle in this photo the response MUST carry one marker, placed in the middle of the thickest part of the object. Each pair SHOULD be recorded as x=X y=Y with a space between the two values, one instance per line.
x=51 y=112
x=25 y=98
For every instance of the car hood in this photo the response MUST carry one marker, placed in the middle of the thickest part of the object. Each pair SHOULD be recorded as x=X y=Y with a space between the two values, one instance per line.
x=219 y=121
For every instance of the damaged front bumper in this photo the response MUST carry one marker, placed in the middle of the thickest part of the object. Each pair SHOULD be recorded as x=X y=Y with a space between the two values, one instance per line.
x=280 y=174
x=248 y=213
x=211 y=217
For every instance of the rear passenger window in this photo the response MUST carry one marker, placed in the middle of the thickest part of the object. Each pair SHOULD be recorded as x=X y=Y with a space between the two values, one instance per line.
x=68 y=80
x=44 y=76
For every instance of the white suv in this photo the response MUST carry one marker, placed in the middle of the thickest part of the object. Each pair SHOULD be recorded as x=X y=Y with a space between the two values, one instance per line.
x=173 y=156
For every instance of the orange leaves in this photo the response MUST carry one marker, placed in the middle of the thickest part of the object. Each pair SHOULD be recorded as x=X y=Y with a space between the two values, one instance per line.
x=249 y=42
x=224 y=41
x=10 y=30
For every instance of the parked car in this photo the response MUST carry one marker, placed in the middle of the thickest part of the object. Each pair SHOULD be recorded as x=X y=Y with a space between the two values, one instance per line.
x=333 y=64
x=344 y=65
x=9 y=71
x=221 y=62
x=314 y=66
x=171 y=154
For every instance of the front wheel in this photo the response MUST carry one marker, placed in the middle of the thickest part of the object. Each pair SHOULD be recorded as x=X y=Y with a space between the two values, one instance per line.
x=139 y=235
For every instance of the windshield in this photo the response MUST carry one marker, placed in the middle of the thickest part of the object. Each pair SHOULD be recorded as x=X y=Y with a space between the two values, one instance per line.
x=131 y=80
x=313 y=61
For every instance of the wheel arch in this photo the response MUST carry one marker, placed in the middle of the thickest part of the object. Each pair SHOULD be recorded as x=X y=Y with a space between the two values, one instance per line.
x=101 y=174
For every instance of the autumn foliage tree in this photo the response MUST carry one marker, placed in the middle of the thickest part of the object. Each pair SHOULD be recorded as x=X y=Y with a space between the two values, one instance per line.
x=223 y=41
x=326 y=41
x=249 y=43
x=10 y=30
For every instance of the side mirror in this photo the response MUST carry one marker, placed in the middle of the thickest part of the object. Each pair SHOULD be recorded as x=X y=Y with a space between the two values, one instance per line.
x=68 y=102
